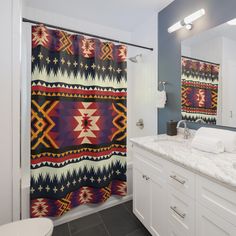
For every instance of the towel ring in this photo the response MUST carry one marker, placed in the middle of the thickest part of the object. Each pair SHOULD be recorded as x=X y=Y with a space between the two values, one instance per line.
x=163 y=83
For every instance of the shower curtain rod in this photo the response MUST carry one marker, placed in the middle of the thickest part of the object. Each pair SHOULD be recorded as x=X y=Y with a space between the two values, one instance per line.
x=87 y=34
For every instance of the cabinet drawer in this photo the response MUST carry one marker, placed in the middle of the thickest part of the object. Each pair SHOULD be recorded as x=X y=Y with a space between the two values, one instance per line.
x=210 y=224
x=140 y=164
x=217 y=198
x=181 y=212
x=149 y=168
x=181 y=179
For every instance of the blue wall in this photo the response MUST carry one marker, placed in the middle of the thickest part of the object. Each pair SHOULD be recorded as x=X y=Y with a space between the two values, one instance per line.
x=169 y=46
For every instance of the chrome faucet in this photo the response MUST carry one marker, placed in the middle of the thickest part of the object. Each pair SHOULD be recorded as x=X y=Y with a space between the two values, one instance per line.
x=186 y=130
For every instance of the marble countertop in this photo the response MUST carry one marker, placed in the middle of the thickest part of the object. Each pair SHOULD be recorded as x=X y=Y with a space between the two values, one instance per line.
x=220 y=167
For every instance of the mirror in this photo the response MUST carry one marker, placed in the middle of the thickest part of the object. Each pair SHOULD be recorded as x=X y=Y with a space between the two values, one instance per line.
x=208 y=78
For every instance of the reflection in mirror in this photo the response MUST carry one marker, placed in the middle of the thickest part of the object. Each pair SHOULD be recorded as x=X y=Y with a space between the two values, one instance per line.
x=209 y=76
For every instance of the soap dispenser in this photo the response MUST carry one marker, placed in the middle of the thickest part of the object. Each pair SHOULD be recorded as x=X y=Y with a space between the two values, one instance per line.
x=171 y=129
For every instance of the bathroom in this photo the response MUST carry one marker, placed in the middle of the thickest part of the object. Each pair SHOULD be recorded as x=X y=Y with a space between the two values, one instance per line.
x=174 y=181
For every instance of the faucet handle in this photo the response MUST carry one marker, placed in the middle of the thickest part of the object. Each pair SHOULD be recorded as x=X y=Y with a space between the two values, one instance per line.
x=140 y=123
x=186 y=133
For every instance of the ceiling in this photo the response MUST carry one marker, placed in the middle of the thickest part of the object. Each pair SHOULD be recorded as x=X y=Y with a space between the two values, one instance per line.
x=120 y=14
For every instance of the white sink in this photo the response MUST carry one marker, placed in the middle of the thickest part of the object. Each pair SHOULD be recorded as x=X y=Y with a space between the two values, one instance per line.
x=171 y=141
x=174 y=141
x=173 y=144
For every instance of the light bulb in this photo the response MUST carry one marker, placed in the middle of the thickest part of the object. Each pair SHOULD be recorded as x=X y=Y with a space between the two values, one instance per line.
x=175 y=27
x=189 y=19
x=232 y=22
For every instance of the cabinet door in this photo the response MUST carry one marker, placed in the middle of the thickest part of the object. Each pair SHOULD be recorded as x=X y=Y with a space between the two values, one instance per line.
x=141 y=196
x=172 y=230
x=158 y=204
x=209 y=224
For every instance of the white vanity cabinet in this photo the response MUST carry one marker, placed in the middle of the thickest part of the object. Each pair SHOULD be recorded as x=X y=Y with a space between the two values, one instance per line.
x=173 y=201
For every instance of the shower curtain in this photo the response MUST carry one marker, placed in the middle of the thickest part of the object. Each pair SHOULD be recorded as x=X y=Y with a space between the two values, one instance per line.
x=78 y=121
x=199 y=92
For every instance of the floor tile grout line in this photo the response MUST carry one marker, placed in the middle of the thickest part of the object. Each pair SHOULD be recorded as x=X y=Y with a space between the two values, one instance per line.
x=80 y=230
x=104 y=225
x=108 y=233
x=68 y=225
x=132 y=214
x=126 y=206
x=132 y=232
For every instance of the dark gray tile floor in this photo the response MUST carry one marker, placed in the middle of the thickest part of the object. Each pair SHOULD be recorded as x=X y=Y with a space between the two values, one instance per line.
x=115 y=221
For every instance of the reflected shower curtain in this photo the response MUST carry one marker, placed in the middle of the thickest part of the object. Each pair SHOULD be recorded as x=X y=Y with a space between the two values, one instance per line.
x=78 y=126
x=199 y=92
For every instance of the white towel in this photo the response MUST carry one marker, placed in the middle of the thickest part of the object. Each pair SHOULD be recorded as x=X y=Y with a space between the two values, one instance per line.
x=161 y=99
x=207 y=144
x=227 y=137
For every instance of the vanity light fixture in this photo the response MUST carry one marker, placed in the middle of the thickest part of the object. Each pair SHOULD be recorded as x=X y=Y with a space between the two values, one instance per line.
x=232 y=22
x=187 y=21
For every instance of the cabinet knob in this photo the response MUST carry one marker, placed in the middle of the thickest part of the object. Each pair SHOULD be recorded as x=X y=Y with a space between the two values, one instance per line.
x=146 y=177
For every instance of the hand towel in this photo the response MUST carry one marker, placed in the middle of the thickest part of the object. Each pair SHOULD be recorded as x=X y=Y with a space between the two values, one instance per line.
x=227 y=137
x=161 y=99
x=207 y=144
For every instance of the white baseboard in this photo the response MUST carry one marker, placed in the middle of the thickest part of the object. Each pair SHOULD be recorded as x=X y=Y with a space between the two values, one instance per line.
x=89 y=209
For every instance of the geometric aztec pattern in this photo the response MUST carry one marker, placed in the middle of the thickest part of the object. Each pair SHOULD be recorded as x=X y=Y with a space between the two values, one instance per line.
x=78 y=121
x=199 y=90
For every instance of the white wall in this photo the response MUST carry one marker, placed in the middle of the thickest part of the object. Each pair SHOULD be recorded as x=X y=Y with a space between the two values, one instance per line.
x=210 y=50
x=75 y=24
x=6 y=112
x=228 y=82
x=10 y=110
x=185 y=50
x=143 y=79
